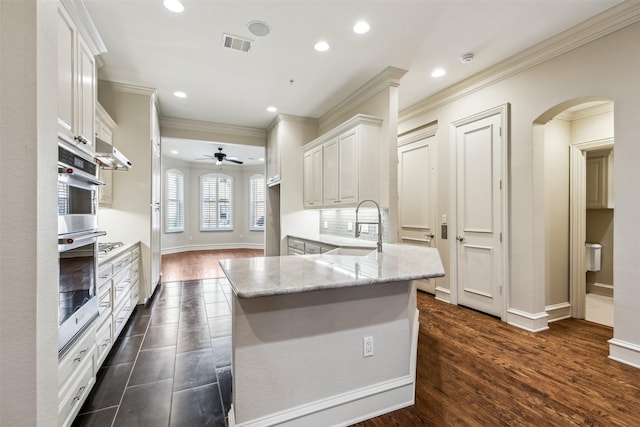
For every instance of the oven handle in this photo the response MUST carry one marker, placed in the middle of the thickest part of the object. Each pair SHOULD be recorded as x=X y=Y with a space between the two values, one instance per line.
x=71 y=172
x=72 y=238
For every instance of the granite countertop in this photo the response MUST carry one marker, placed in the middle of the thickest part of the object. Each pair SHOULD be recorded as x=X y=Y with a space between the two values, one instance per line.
x=104 y=258
x=267 y=276
x=341 y=242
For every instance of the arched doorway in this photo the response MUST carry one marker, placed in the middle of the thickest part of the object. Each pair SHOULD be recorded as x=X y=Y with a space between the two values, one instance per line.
x=564 y=137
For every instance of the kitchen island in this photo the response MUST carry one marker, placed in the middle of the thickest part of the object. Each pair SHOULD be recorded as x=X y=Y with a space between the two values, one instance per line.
x=325 y=339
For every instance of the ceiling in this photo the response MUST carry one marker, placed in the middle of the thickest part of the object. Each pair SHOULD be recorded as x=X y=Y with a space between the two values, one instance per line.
x=150 y=46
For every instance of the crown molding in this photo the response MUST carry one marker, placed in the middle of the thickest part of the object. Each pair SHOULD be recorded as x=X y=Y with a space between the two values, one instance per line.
x=389 y=77
x=87 y=29
x=209 y=127
x=605 y=107
x=129 y=88
x=605 y=23
x=291 y=118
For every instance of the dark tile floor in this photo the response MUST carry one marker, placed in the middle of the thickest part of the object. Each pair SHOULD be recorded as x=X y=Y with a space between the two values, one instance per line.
x=171 y=364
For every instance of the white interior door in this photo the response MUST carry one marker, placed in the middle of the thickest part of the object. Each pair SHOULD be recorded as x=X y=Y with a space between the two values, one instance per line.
x=417 y=193
x=479 y=215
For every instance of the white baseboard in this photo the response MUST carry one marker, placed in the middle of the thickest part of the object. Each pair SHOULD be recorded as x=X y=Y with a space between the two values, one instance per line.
x=532 y=322
x=443 y=294
x=624 y=352
x=209 y=247
x=342 y=410
x=558 y=311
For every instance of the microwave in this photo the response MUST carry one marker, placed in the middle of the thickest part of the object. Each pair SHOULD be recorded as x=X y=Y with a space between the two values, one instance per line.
x=77 y=192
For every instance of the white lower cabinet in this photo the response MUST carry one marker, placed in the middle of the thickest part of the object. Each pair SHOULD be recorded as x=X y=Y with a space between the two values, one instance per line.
x=118 y=294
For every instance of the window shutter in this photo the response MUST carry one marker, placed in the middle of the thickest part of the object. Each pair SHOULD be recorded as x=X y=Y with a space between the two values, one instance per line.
x=216 y=209
x=256 y=202
x=175 y=202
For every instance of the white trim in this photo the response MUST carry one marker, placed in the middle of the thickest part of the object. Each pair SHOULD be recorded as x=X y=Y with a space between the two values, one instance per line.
x=578 y=221
x=532 y=322
x=358 y=119
x=607 y=22
x=80 y=16
x=389 y=77
x=209 y=127
x=443 y=294
x=624 y=352
x=210 y=246
x=129 y=88
x=558 y=311
x=353 y=406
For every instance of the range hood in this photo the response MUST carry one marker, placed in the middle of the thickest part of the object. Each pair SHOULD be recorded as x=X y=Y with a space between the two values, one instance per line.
x=110 y=157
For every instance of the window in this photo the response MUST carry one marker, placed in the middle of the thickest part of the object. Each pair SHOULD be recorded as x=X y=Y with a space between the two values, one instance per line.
x=256 y=202
x=174 y=221
x=216 y=204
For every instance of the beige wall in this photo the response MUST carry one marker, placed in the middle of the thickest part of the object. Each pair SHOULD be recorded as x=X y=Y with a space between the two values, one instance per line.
x=542 y=91
x=28 y=216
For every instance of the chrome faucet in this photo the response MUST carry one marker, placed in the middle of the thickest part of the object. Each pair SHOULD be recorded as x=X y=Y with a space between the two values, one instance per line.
x=379 y=223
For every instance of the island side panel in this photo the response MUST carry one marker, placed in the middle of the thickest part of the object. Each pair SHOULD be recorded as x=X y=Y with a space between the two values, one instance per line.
x=303 y=352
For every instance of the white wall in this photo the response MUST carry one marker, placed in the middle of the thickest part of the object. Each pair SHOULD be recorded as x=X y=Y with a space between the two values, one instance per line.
x=194 y=239
x=28 y=215
x=547 y=89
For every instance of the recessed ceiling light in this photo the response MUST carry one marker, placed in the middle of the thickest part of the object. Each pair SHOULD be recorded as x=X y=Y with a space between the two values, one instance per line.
x=173 y=5
x=179 y=94
x=272 y=109
x=361 y=27
x=258 y=28
x=438 y=72
x=321 y=46
x=174 y=151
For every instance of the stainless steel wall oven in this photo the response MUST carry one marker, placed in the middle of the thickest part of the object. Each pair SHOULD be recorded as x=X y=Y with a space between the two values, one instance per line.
x=77 y=244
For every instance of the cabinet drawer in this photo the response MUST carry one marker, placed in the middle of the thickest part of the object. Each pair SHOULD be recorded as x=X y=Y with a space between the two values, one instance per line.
x=121 y=262
x=294 y=251
x=104 y=339
x=135 y=253
x=81 y=350
x=310 y=248
x=104 y=304
x=122 y=315
x=74 y=396
x=324 y=249
x=121 y=286
x=104 y=274
x=296 y=244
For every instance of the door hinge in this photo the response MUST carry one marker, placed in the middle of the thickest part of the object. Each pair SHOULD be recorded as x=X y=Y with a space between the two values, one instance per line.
x=500 y=289
x=501 y=237
x=500 y=131
x=501 y=184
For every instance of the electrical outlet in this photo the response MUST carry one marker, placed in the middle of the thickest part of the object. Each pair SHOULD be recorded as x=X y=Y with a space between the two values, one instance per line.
x=367 y=346
x=326 y=224
x=349 y=226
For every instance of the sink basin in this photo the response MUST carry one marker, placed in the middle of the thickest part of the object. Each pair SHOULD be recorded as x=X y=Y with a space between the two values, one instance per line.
x=351 y=251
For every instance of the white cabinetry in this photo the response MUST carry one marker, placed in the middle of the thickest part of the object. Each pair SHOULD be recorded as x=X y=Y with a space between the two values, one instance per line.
x=298 y=246
x=76 y=85
x=600 y=180
x=118 y=294
x=350 y=164
x=312 y=171
x=273 y=155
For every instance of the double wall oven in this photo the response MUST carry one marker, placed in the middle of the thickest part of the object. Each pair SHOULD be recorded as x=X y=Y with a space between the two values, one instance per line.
x=77 y=243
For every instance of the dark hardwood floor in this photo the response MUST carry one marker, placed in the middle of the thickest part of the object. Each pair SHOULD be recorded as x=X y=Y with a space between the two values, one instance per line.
x=195 y=265
x=475 y=370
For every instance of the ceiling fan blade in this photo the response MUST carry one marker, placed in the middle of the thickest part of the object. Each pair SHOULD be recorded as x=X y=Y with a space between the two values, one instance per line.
x=205 y=158
x=231 y=159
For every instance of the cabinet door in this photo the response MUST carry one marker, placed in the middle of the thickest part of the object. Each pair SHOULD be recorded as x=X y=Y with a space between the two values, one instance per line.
x=330 y=173
x=66 y=77
x=86 y=97
x=312 y=177
x=348 y=167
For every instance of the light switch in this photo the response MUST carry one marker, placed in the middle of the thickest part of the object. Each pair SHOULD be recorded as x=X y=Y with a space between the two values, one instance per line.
x=349 y=226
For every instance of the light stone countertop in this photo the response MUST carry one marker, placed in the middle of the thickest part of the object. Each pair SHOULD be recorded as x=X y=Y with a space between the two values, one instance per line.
x=267 y=276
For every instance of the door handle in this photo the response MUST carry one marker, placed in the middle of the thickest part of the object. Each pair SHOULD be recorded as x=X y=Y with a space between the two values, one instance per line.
x=460 y=238
x=431 y=235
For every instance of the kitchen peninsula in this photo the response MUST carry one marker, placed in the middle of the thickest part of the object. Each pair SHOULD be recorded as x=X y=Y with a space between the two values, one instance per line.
x=327 y=339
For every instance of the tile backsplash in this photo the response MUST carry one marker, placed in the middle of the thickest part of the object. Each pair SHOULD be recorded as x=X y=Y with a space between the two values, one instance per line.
x=337 y=222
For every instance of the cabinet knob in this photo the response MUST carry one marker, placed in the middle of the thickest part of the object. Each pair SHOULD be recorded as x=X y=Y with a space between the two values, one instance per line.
x=460 y=238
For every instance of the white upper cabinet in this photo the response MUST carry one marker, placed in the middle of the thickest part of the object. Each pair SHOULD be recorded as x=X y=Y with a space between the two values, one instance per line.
x=350 y=164
x=76 y=85
x=104 y=130
x=312 y=181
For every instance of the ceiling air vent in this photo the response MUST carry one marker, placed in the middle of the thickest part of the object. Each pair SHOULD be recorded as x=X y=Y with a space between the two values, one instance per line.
x=236 y=43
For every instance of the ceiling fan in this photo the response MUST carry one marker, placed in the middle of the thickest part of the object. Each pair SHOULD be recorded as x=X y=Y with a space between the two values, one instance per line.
x=221 y=157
